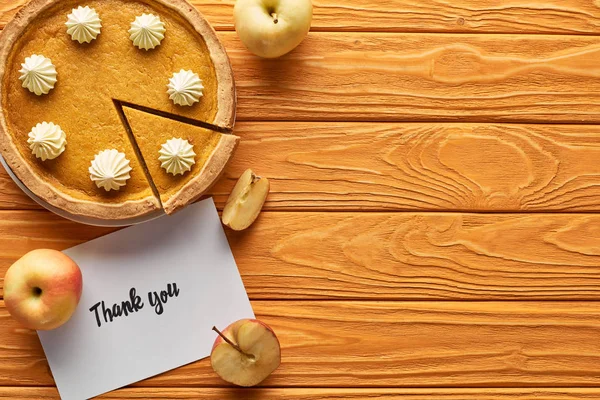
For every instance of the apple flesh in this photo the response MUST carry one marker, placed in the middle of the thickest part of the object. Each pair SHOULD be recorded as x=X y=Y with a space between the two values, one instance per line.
x=245 y=201
x=42 y=289
x=272 y=28
x=246 y=352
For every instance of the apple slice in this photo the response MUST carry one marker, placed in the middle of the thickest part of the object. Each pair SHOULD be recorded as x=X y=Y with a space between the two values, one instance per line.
x=246 y=352
x=245 y=201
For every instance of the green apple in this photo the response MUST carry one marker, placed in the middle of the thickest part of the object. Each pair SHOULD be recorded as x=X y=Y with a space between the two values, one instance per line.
x=272 y=28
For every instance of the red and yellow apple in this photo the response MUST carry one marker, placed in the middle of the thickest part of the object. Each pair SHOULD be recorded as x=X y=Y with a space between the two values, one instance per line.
x=42 y=289
x=272 y=28
x=246 y=352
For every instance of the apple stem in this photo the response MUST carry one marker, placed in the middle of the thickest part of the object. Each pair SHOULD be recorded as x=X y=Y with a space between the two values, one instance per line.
x=274 y=15
x=235 y=346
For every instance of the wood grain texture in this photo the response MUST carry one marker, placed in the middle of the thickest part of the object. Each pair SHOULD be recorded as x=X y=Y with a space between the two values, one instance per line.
x=380 y=344
x=11 y=197
x=422 y=77
x=228 y=393
x=385 y=166
x=420 y=167
x=490 y=16
x=382 y=255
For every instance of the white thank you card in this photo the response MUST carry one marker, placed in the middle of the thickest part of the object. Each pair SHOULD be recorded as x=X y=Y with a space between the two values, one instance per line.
x=151 y=294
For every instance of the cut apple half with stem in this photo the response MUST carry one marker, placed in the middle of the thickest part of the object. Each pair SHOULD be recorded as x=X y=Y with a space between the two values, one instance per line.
x=245 y=353
x=245 y=201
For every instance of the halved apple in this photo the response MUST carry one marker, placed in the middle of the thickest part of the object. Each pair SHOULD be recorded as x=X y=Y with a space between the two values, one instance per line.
x=245 y=201
x=246 y=352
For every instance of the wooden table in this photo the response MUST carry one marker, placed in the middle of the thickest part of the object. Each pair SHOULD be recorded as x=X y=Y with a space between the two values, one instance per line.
x=431 y=231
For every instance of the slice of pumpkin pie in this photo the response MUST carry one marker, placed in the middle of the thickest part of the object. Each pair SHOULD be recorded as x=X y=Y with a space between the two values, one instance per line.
x=182 y=160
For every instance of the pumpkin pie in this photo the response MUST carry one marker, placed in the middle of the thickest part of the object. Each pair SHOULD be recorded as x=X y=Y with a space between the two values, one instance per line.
x=100 y=59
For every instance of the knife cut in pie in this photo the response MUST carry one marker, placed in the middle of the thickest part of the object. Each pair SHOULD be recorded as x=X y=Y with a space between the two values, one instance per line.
x=74 y=79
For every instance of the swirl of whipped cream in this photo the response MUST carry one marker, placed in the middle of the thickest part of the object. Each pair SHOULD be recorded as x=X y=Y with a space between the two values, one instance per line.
x=185 y=88
x=38 y=74
x=83 y=24
x=177 y=156
x=47 y=141
x=110 y=170
x=147 y=31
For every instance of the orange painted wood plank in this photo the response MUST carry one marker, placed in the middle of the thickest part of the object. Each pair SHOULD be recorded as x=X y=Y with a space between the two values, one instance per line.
x=418 y=166
x=380 y=344
x=493 y=16
x=422 y=77
x=404 y=256
x=228 y=393
x=421 y=167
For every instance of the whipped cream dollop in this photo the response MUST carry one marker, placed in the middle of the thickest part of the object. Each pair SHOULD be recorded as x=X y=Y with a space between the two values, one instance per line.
x=83 y=24
x=177 y=156
x=38 y=74
x=110 y=170
x=47 y=141
x=185 y=88
x=147 y=31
